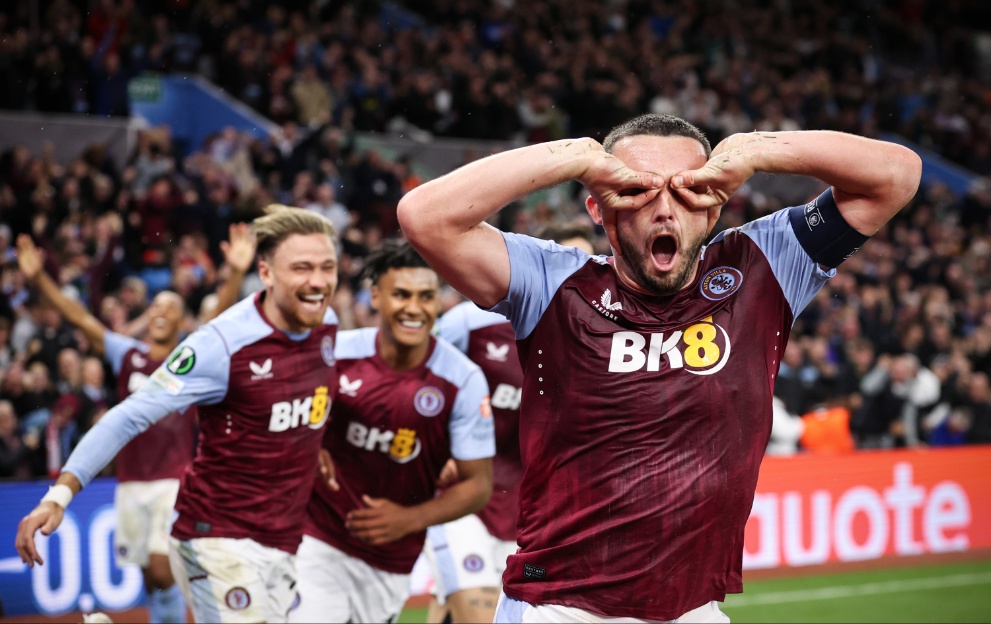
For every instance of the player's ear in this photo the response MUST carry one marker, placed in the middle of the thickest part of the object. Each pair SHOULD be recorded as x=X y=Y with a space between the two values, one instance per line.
x=374 y=302
x=593 y=210
x=265 y=273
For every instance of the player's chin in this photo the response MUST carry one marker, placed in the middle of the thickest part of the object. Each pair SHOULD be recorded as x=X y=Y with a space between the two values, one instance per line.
x=311 y=317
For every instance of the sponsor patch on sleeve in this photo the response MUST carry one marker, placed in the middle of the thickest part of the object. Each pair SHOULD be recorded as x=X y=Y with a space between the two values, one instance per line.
x=169 y=382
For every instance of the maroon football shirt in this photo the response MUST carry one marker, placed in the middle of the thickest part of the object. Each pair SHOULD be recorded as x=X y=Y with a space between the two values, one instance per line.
x=390 y=436
x=644 y=419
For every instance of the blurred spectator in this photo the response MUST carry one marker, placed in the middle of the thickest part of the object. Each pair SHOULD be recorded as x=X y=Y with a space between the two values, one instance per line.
x=312 y=97
x=898 y=393
x=785 y=430
x=799 y=383
x=15 y=454
x=827 y=431
x=979 y=405
x=325 y=204
x=62 y=432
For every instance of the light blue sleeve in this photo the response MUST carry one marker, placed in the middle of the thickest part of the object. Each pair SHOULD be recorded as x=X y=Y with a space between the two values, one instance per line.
x=116 y=345
x=453 y=327
x=798 y=275
x=197 y=372
x=537 y=268
x=472 y=427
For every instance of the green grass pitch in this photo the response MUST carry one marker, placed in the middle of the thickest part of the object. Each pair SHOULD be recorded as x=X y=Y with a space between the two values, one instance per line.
x=959 y=592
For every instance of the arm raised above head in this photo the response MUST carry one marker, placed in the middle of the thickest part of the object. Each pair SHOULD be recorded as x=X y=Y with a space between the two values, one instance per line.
x=872 y=180
x=445 y=218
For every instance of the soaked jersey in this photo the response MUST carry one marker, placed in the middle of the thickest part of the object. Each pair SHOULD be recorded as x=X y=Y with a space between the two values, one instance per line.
x=166 y=449
x=644 y=419
x=390 y=436
x=264 y=398
x=488 y=340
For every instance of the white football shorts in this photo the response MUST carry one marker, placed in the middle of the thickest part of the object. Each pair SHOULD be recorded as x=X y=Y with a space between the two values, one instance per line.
x=336 y=587
x=463 y=555
x=233 y=580
x=144 y=519
x=513 y=611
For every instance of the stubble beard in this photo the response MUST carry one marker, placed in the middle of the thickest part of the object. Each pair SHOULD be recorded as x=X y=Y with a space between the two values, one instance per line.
x=665 y=286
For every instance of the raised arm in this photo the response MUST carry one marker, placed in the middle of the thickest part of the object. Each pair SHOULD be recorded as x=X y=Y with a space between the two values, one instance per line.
x=445 y=219
x=871 y=180
x=31 y=262
x=239 y=253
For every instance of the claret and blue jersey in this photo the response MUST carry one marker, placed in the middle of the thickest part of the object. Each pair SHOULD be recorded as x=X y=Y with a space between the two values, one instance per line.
x=264 y=398
x=644 y=419
x=391 y=434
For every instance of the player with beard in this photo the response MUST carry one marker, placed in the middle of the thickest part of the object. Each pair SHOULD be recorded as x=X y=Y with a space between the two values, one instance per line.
x=648 y=375
x=149 y=467
x=408 y=402
x=262 y=376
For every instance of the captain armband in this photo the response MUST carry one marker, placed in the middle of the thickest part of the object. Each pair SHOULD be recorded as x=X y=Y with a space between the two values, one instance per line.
x=823 y=232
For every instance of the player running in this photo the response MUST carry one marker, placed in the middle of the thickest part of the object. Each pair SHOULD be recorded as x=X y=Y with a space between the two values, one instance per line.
x=263 y=376
x=408 y=402
x=149 y=466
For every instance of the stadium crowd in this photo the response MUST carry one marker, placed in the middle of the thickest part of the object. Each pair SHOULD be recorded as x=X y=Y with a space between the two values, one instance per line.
x=895 y=351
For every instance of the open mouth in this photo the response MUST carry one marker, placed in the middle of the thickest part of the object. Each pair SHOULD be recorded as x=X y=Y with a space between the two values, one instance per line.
x=313 y=302
x=159 y=323
x=412 y=324
x=663 y=250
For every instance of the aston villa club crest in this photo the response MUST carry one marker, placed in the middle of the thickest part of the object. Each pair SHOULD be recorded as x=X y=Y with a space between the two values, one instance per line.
x=720 y=283
x=327 y=351
x=429 y=401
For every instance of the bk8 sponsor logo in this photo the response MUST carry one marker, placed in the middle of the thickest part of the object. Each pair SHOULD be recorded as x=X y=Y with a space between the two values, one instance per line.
x=402 y=445
x=702 y=348
x=506 y=396
x=311 y=411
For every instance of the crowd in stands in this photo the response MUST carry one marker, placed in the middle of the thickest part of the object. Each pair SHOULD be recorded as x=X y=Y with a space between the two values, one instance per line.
x=895 y=351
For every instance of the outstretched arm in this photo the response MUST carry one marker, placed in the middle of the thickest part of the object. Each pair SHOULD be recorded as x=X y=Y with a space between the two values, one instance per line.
x=445 y=219
x=31 y=262
x=872 y=180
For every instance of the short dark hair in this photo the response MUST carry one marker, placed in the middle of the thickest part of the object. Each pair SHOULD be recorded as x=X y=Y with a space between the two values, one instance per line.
x=392 y=254
x=656 y=125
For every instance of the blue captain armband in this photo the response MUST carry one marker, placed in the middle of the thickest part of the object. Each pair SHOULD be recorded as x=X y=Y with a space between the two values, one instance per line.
x=823 y=232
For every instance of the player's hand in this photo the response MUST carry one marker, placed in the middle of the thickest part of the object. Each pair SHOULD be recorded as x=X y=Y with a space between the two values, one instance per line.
x=616 y=187
x=382 y=522
x=239 y=250
x=46 y=516
x=30 y=259
x=327 y=471
x=728 y=167
x=612 y=183
x=448 y=474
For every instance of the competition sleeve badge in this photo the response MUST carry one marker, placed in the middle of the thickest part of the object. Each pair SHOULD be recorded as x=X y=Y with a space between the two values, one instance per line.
x=182 y=361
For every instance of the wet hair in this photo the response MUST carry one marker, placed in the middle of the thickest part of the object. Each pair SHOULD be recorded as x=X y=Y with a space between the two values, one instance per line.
x=392 y=254
x=656 y=125
x=560 y=232
x=280 y=222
